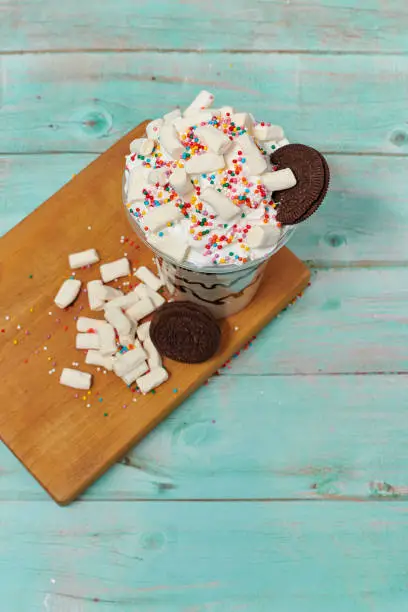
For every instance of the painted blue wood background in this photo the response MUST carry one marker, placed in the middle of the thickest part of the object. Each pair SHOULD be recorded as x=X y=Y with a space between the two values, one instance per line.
x=262 y=491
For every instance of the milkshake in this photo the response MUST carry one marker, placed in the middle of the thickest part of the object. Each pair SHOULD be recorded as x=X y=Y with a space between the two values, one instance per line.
x=199 y=191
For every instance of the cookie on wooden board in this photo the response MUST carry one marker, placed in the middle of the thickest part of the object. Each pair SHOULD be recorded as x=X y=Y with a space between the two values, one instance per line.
x=185 y=332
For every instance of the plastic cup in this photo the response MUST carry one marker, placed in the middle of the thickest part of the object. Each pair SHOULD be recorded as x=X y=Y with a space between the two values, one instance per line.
x=224 y=290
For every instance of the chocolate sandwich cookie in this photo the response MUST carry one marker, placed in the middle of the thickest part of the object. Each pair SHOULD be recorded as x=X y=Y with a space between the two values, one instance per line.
x=312 y=175
x=185 y=332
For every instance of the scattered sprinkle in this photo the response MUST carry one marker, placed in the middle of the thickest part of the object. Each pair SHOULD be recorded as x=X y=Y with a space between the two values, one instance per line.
x=15 y=341
x=105 y=414
x=175 y=390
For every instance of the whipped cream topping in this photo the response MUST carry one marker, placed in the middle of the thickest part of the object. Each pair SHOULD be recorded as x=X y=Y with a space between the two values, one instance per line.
x=200 y=186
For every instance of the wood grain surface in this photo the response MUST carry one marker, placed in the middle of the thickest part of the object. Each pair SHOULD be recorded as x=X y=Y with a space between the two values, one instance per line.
x=312 y=417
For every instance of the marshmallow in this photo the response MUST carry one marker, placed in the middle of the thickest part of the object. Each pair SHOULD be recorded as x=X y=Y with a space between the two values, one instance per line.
x=87 y=341
x=282 y=143
x=170 y=142
x=171 y=246
x=131 y=376
x=125 y=362
x=281 y=179
x=182 y=124
x=129 y=338
x=160 y=216
x=143 y=331
x=143 y=291
x=84 y=324
x=95 y=301
x=180 y=182
x=120 y=322
x=206 y=162
x=75 y=379
x=106 y=293
x=254 y=159
x=226 y=110
x=262 y=236
x=243 y=120
x=215 y=139
x=115 y=269
x=172 y=115
x=141 y=309
x=136 y=184
x=148 y=278
x=84 y=258
x=124 y=301
x=153 y=356
x=97 y=358
x=203 y=100
x=142 y=146
x=152 y=380
x=67 y=293
x=107 y=340
x=221 y=204
x=158 y=175
x=267 y=132
x=153 y=129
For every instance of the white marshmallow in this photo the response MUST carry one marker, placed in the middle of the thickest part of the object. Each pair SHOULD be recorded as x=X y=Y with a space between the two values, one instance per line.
x=84 y=258
x=107 y=340
x=115 y=269
x=136 y=184
x=221 y=204
x=206 y=162
x=172 y=115
x=203 y=100
x=262 y=236
x=106 y=293
x=254 y=159
x=153 y=356
x=171 y=246
x=143 y=331
x=95 y=302
x=153 y=129
x=148 y=278
x=84 y=324
x=120 y=322
x=268 y=132
x=216 y=140
x=158 y=175
x=152 y=380
x=141 y=309
x=128 y=339
x=283 y=142
x=224 y=110
x=125 y=362
x=281 y=179
x=181 y=182
x=75 y=379
x=243 y=120
x=182 y=124
x=87 y=341
x=98 y=359
x=143 y=291
x=160 y=216
x=142 y=146
x=131 y=376
x=124 y=301
x=170 y=142
x=67 y=293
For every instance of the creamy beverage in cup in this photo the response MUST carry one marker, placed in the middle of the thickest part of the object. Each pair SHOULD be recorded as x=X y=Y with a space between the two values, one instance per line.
x=198 y=190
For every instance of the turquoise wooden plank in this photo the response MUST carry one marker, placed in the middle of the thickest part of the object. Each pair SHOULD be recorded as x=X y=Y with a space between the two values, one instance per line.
x=260 y=437
x=85 y=101
x=339 y=25
x=222 y=557
x=358 y=224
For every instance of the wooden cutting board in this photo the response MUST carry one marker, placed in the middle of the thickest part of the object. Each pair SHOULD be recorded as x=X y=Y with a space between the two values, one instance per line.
x=67 y=439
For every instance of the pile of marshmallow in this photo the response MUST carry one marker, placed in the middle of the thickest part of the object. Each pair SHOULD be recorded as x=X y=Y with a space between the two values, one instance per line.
x=112 y=343
x=188 y=172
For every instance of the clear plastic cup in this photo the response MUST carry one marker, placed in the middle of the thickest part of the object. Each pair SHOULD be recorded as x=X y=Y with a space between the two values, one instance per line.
x=224 y=290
